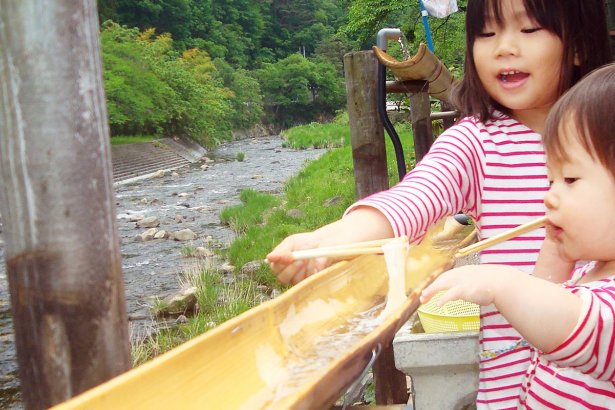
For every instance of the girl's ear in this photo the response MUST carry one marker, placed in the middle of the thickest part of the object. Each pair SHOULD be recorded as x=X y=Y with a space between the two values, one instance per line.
x=577 y=60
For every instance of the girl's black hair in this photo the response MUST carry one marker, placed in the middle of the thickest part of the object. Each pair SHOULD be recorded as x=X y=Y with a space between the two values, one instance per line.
x=580 y=24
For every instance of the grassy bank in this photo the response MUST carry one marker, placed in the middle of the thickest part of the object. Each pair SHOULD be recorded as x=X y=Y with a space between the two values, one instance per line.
x=131 y=139
x=317 y=195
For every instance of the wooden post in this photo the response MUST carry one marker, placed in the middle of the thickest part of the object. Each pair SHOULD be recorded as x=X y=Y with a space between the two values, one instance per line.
x=448 y=121
x=369 y=157
x=366 y=130
x=57 y=201
x=421 y=122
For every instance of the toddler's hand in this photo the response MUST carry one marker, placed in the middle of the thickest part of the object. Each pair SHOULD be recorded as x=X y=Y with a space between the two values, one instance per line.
x=474 y=283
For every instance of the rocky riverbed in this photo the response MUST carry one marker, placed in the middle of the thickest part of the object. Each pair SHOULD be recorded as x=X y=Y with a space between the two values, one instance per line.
x=189 y=198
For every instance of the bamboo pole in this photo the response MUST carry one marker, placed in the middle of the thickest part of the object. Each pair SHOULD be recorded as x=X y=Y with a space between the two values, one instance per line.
x=57 y=200
x=369 y=157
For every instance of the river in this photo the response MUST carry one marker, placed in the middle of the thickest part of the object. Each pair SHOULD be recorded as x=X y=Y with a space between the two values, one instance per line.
x=190 y=198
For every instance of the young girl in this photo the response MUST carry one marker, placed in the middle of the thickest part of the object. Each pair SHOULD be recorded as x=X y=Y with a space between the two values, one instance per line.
x=570 y=328
x=521 y=56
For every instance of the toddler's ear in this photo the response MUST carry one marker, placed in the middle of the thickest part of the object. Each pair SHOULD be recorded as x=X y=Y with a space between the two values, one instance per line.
x=577 y=60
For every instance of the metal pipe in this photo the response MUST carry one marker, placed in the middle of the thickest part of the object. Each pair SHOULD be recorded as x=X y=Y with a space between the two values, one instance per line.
x=384 y=35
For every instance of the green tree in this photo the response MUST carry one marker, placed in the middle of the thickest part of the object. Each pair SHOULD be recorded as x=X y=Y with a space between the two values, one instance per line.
x=167 y=16
x=136 y=97
x=246 y=98
x=201 y=108
x=152 y=89
x=298 y=90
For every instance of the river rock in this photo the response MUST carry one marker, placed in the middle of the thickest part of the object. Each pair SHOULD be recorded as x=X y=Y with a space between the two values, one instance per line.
x=135 y=218
x=162 y=234
x=181 y=303
x=227 y=268
x=147 y=235
x=159 y=174
x=204 y=167
x=149 y=222
x=202 y=252
x=184 y=235
x=251 y=268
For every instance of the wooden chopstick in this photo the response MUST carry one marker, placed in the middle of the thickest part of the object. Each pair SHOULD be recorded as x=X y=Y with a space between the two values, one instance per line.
x=322 y=252
x=504 y=236
x=349 y=249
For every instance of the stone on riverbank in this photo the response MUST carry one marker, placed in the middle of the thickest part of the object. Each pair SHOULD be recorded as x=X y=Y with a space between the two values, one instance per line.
x=182 y=303
x=147 y=235
x=149 y=222
x=184 y=235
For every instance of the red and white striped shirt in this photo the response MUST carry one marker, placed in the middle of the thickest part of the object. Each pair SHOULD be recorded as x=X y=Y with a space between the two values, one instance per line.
x=580 y=373
x=494 y=172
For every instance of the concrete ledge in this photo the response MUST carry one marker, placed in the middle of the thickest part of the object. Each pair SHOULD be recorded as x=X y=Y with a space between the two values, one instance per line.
x=443 y=367
x=414 y=350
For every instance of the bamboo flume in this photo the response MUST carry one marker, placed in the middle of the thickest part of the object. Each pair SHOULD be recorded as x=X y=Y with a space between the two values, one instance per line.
x=301 y=350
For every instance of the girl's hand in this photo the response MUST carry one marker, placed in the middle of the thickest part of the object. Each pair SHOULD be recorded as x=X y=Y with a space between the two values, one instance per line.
x=478 y=284
x=286 y=268
x=362 y=224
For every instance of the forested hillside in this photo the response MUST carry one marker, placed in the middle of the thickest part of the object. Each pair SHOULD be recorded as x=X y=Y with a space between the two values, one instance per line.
x=202 y=68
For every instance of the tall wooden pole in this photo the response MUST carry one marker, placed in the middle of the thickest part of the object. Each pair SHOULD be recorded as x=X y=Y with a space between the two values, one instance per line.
x=420 y=110
x=57 y=201
x=370 y=170
x=366 y=130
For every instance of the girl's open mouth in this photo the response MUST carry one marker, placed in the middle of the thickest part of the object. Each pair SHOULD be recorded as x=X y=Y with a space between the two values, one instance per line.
x=512 y=78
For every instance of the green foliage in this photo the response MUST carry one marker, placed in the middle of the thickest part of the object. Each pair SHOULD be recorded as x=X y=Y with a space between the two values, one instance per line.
x=244 y=33
x=188 y=251
x=315 y=135
x=217 y=302
x=153 y=90
x=220 y=65
x=135 y=95
x=245 y=94
x=298 y=89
